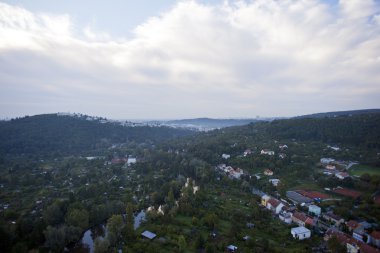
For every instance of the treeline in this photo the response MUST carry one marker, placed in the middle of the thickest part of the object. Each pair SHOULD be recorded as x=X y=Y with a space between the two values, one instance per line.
x=357 y=130
x=53 y=135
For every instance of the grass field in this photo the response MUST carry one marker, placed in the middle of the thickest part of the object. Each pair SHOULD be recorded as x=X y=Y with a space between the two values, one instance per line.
x=358 y=170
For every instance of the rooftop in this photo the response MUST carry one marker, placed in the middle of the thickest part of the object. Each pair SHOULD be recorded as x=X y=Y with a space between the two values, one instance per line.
x=347 y=192
x=300 y=230
x=148 y=234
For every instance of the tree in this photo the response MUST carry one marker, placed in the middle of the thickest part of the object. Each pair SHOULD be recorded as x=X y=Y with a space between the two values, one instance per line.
x=182 y=243
x=53 y=215
x=129 y=232
x=335 y=246
x=101 y=245
x=115 y=226
x=77 y=218
x=55 y=238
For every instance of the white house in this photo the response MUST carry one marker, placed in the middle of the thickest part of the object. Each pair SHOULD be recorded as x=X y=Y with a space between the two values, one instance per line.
x=131 y=160
x=267 y=152
x=300 y=233
x=274 y=181
x=274 y=205
x=232 y=248
x=327 y=160
x=226 y=156
x=268 y=172
x=315 y=210
x=285 y=217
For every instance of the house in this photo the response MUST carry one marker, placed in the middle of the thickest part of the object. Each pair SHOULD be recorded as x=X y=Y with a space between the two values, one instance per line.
x=327 y=160
x=333 y=218
x=374 y=238
x=267 y=152
x=232 y=248
x=283 y=146
x=264 y=200
x=300 y=233
x=236 y=173
x=342 y=175
x=148 y=235
x=316 y=210
x=282 y=155
x=247 y=152
x=274 y=205
x=352 y=225
x=360 y=232
x=285 y=217
x=330 y=167
x=246 y=238
x=302 y=219
x=268 y=172
x=131 y=160
x=352 y=244
x=250 y=225
x=274 y=182
x=226 y=156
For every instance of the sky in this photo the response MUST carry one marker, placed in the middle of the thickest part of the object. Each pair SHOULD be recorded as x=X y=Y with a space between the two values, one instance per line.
x=168 y=59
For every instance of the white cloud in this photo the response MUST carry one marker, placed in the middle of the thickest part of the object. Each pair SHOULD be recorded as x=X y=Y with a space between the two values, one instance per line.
x=234 y=59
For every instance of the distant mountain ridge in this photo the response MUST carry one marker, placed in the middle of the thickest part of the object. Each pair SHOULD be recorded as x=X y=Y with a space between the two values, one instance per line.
x=339 y=113
x=205 y=124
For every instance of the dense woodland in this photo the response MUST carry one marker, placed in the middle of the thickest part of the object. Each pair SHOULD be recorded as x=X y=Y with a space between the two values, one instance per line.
x=54 y=135
x=51 y=194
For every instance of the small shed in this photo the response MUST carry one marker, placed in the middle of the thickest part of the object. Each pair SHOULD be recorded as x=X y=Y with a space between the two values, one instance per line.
x=148 y=235
x=231 y=248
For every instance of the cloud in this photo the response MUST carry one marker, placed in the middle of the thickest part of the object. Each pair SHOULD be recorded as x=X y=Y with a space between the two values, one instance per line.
x=239 y=59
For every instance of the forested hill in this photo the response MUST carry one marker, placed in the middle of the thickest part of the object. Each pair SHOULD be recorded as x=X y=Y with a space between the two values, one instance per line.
x=53 y=134
x=363 y=129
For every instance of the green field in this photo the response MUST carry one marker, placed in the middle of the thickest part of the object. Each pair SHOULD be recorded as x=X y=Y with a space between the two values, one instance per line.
x=358 y=170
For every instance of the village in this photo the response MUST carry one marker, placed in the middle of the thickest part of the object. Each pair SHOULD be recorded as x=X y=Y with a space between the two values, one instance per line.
x=304 y=210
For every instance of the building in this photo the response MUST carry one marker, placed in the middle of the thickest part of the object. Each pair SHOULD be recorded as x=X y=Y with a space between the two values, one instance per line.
x=274 y=182
x=300 y=233
x=330 y=167
x=352 y=225
x=374 y=238
x=302 y=219
x=232 y=248
x=283 y=146
x=285 y=217
x=274 y=205
x=342 y=175
x=347 y=192
x=148 y=235
x=297 y=198
x=131 y=160
x=333 y=218
x=267 y=152
x=226 y=156
x=316 y=210
x=268 y=172
x=264 y=200
x=327 y=160
x=247 y=152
